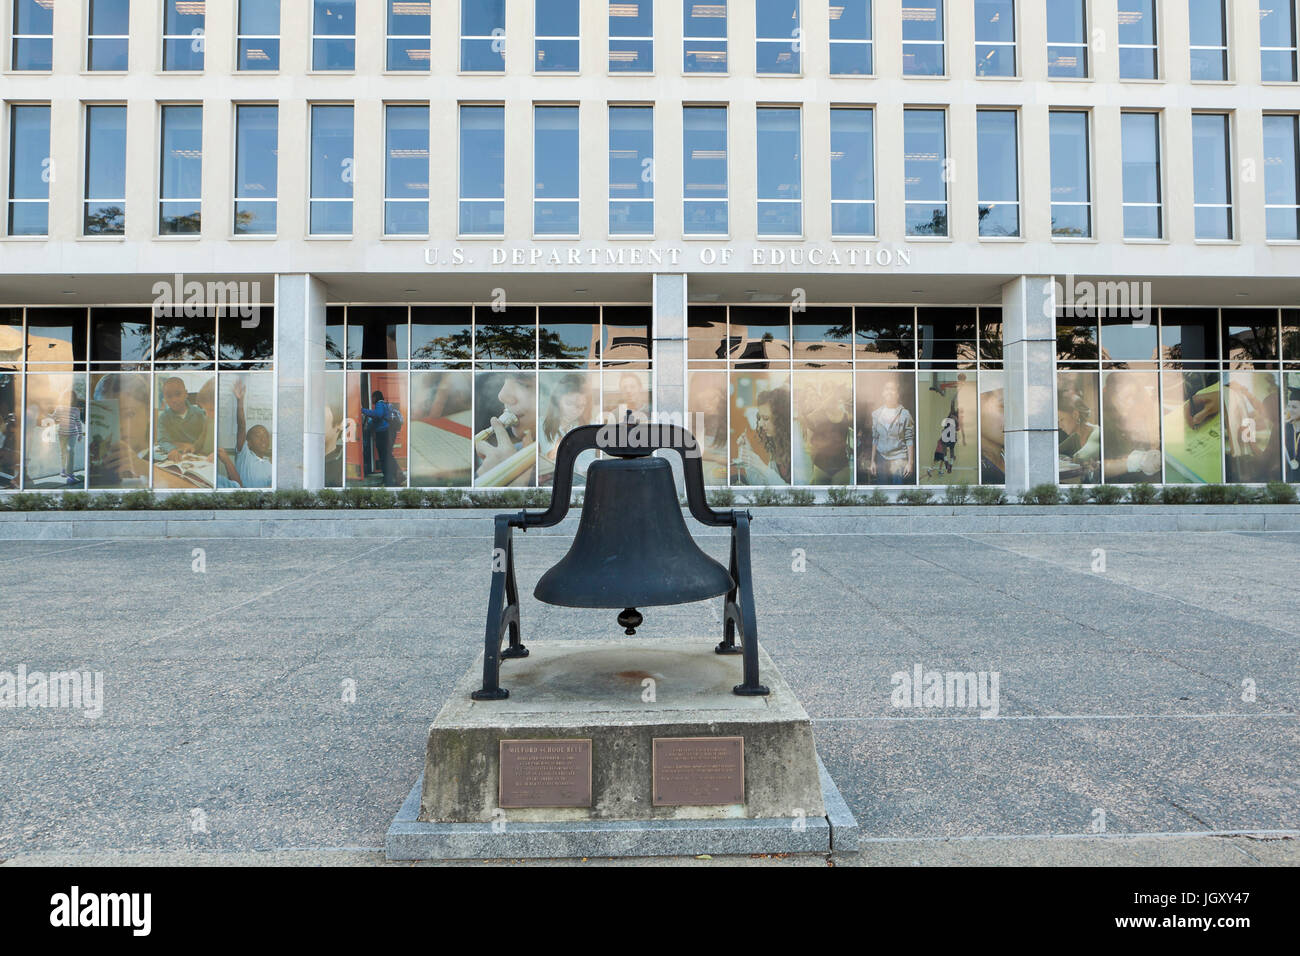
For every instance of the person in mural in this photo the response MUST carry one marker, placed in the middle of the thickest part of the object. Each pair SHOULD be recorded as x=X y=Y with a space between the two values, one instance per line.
x=993 y=466
x=709 y=423
x=383 y=428
x=893 y=439
x=70 y=431
x=1131 y=420
x=511 y=434
x=569 y=406
x=1252 y=434
x=1079 y=440
x=1293 y=435
x=333 y=447
x=950 y=428
x=182 y=426
x=633 y=398
x=119 y=431
x=772 y=425
x=251 y=466
x=824 y=413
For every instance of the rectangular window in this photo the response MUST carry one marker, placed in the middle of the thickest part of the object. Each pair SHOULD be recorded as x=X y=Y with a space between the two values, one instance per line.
x=334 y=36
x=995 y=38
x=631 y=171
x=105 y=209
x=332 y=159
x=556 y=31
x=780 y=37
x=851 y=49
x=183 y=43
x=482 y=170
x=1211 y=175
x=1140 y=149
x=631 y=36
x=33 y=36
x=780 y=172
x=1071 y=188
x=704 y=32
x=555 y=171
x=999 y=167
x=406 y=171
x=257 y=168
x=181 y=180
x=408 y=35
x=704 y=167
x=1208 y=29
x=1067 y=39
x=853 y=178
x=923 y=38
x=29 y=170
x=482 y=36
x=1282 y=176
x=925 y=172
x=259 y=35
x=1277 y=41
x=108 y=35
x=1139 y=51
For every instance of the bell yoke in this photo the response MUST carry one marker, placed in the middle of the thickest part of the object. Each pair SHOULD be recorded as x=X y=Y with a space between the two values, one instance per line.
x=632 y=548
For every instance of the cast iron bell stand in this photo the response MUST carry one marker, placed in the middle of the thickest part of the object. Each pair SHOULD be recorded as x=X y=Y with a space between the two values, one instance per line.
x=503 y=601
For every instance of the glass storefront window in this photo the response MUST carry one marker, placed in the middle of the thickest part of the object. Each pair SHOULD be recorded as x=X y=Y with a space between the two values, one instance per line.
x=1252 y=432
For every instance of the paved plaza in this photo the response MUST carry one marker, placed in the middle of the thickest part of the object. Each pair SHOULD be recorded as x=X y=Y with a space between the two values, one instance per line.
x=1147 y=707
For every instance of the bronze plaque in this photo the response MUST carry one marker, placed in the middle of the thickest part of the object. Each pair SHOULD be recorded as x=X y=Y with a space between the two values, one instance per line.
x=545 y=773
x=698 y=771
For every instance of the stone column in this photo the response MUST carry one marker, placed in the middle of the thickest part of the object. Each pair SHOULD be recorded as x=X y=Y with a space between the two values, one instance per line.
x=300 y=389
x=669 y=335
x=1029 y=356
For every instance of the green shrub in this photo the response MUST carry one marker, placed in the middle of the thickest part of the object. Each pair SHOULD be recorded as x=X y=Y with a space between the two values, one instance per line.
x=1078 y=494
x=1280 y=493
x=841 y=496
x=720 y=497
x=1143 y=493
x=329 y=498
x=1241 y=494
x=877 y=499
x=802 y=497
x=34 y=501
x=537 y=498
x=989 y=495
x=293 y=498
x=1210 y=494
x=410 y=498
x=105 y=501
x=137 y=501
x=916 y=496
x=1175 y=495
x=765 y=497
x=1108 y=494
x=75 y=501
x=186 y=501
x=957 y=494
x=1042 y=495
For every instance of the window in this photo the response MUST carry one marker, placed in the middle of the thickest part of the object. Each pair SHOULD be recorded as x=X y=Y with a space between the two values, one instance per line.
x=631 y=36
x=925 y=172
x=1067 y=39
x=631 y=171
x=995 y=38
x=1208 y=27
x=483 y=36
x=853 y=178
x=408 y=35
x=482 y=170
x=406 y=171
x=704 y=32
x=851 y=50
x=999 y=187
x=555 y=170
x=259 y=35
x=334 y=35
x=1071 y=189
x=1140 y=148
x=332 y=160
x=704 y=168
x=105 y=210
x=1211 y=180
x=33 y=36
x=780 y=172
x=556 y=32
x=780 y=38
x=923 y=38
x=108 y=35
x=1282 y=176
x=30 y=170
x=183 y=43
x=257 y=167
x=1277 y=41
x=181 y=181
x=1139 y=51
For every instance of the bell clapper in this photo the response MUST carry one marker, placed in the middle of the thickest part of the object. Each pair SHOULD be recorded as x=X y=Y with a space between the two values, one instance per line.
x=630 y=619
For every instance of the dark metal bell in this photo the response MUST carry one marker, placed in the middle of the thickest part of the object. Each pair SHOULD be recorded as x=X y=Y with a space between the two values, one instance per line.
x=632 y=548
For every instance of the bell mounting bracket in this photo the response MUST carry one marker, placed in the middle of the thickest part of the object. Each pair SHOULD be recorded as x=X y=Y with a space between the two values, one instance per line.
x=620 y=441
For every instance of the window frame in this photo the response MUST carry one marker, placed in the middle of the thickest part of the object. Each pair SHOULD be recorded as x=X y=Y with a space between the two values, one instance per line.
x=727 y=126
x=943 y=110
x=609 y=205
x=1013 y=43
x=1082 y=46
x=1161 y=192
x=1154 y=47
x=871 y=162
x=631 y=39
x=981 y=201
x=759 y=201
x=1295 y=173
x=241 y=37
x=460 y=49
x=796 y=41
x=1225 y=21
x=1229 y=147
x=313 y=36
x=14 y=37
x=460 y=172
x=389 y=38
x=311 y=158
x=87 y=66
x=160 y=199
x=9 y=150
x=164 y=37
x=428 y=130
x=577 y=161
x=941 y=43
x=86 y=199
x=1293 y=49
x=1089 y=204
x=724 y=40
x=235 y=197
x=869 y=43
x=538 y=39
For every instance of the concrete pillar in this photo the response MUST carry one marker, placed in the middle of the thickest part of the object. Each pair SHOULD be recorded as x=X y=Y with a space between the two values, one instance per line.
x=669 y=376
x=300 y=389
x=1029 y=356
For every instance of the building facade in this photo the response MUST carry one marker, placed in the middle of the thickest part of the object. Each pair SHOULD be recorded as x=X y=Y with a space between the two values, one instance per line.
x=848 y=242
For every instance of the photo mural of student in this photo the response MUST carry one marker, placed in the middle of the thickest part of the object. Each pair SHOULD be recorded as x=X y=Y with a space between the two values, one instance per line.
x=993 y=467
x=760 y=428
x=9 y=385
x=1193 y=427
x=1252 y=436
x=823 y=414
x=1130 y=422
x=1291 y=432
x=627 y=396
x=569 y=399
x=505 y=429
x=184 y=430
x=56 y=435
x=886 y=429
x=442 y=429
x=245 y=449
x=1078 y=434
x=119 y=431
x=947 y=413
x=707 y=407
x=337 y=431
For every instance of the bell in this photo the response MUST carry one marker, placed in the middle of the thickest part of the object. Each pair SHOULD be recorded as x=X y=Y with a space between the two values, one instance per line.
x=632 y=548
